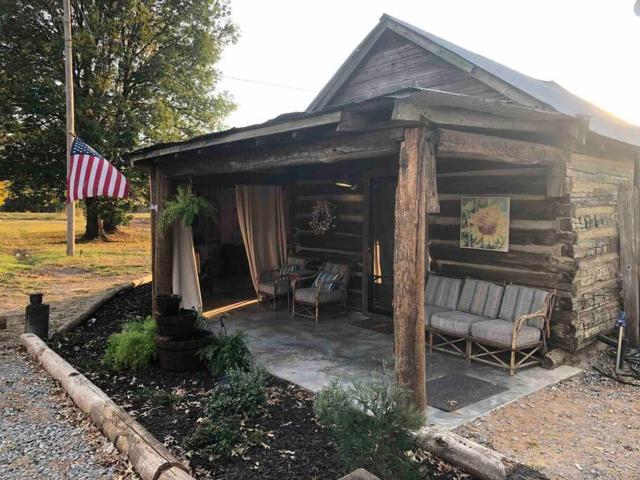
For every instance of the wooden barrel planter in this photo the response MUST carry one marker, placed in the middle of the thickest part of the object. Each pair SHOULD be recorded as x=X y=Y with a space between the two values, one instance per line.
x=177 y=327
x=180 y=355
x=168 y=304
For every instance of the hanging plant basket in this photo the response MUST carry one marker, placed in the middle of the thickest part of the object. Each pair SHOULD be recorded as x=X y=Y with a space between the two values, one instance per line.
x=323 y=218
x=185 y=206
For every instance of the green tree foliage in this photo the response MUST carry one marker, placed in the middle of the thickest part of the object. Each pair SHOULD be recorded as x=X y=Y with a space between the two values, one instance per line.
x=144 y=72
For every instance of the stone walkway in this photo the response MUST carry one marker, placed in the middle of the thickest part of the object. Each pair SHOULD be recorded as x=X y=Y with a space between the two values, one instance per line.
x=42 y=436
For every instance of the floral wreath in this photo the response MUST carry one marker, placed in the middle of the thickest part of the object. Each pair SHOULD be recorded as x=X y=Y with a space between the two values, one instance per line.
x=323 y=218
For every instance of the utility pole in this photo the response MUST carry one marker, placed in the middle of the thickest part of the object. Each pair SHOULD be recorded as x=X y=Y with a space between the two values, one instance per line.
x=68 y=83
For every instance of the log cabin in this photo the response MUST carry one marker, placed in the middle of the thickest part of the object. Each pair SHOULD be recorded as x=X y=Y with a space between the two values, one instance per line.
x=408 y=126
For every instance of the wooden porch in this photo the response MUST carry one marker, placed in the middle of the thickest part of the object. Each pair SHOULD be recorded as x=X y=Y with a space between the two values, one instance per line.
x=435 y=148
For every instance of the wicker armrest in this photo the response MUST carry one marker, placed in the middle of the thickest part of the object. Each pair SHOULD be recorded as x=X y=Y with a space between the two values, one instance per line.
x=542 y=313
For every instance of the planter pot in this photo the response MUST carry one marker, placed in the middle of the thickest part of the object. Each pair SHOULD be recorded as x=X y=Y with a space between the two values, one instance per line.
x=180 y=355
x=168 y=304
x=177 y=327
x=37 y=320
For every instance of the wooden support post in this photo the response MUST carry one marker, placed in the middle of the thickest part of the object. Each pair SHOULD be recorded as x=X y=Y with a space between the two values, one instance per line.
x=153 y=202
x=163 y=258
x=629 y=224
x=410 y=262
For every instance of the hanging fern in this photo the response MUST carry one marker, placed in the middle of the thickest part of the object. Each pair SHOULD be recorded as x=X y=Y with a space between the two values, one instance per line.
x=186 y=206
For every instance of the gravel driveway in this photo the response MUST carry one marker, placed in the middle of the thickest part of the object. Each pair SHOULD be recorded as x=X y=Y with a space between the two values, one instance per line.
x=41 y=435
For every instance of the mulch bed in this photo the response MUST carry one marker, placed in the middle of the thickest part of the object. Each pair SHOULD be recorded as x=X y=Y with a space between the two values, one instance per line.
x=169 y=404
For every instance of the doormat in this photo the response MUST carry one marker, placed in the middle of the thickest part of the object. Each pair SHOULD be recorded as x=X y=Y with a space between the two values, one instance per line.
x=376 y=324
x=455 y=391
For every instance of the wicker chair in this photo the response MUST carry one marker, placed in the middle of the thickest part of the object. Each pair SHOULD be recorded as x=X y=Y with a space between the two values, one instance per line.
x=326 y=290
x=520 y=331
x=274 y=284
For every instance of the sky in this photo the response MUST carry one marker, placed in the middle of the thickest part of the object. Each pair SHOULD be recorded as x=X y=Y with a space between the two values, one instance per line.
x=591 y=47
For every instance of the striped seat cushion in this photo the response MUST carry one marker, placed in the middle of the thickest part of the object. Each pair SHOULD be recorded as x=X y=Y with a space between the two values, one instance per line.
x=519 y=300
x=430 y=310
x=289 y=268
x=326 y=281
x=481 y=298
x=455 y=323
x=308 y=295
x=501 y=332
x=442 y=291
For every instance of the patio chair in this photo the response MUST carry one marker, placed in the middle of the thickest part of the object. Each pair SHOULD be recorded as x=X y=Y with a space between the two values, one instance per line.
x=479 y=301
x=325 y=290
x=274 y=284
x=520 y=331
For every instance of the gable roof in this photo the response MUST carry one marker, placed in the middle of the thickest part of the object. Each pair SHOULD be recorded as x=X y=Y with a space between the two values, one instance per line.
x=520 y=88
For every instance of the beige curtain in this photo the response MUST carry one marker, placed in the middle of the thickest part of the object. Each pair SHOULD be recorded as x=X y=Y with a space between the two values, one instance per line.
x=185 y=270
x=262 y=218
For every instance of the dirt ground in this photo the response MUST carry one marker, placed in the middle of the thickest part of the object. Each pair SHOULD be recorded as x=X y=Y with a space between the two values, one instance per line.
x=585 y=428
x=32 y=258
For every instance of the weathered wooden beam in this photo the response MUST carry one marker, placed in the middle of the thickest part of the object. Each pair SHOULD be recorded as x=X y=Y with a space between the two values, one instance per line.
x=556 y=176
x=337 y=149
x=153 y=202
x=243 y=134
x=474 y=146
x=163 y=261
x=628 y=218
x=409 y=265
x=406 y=110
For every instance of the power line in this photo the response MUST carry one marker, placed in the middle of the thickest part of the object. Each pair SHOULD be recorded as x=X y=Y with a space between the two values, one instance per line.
x=269 y=84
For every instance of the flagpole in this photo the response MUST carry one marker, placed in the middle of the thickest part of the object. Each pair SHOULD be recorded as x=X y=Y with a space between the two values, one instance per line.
x=68 y=82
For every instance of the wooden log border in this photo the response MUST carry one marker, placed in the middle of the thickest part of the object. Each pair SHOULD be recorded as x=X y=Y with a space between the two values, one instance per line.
x=470 y=456
x=148 y=456
x=99 y=302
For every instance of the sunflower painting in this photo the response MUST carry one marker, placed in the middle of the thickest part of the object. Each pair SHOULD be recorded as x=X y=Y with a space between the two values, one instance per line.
x=484 y=223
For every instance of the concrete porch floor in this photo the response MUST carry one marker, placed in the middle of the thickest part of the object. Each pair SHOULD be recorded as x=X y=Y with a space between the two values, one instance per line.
x=311 y=355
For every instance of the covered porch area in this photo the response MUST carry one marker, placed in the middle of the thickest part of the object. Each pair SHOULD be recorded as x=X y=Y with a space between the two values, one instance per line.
x=312 y=355
x=397 y=169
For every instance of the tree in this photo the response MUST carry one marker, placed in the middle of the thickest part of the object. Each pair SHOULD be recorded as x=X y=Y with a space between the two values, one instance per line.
x=144 y=72
x=4 y=191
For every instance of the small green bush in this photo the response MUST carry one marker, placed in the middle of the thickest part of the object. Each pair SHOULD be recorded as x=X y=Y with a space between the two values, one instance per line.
x=225 y=352
x=159 y=398
x=371 y=424
x=243 y=394
x=217 y=438
x=133 y=347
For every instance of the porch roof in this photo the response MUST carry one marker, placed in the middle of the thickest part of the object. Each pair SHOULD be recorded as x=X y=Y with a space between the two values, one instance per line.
x=402 y=107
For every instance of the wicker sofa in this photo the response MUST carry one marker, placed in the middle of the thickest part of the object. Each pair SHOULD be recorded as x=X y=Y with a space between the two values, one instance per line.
x=506 y=326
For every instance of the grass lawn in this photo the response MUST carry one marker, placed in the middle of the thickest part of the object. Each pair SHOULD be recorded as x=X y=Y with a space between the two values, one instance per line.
x=33 y=257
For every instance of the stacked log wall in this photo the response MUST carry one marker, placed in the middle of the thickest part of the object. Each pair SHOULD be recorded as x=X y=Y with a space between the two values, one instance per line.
x=540 y=252
x=594 y=301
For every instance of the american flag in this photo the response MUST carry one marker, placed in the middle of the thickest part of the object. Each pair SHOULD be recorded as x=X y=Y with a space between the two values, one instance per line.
x=91 y=175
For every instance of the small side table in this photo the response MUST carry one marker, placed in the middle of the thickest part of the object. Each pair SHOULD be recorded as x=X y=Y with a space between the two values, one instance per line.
x=292 y=277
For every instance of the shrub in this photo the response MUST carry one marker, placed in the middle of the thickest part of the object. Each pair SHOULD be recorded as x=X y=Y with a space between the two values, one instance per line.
x=225 y=352
x=244 y=394
x=371 y=424
x=133 y=347
x=217 y=438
